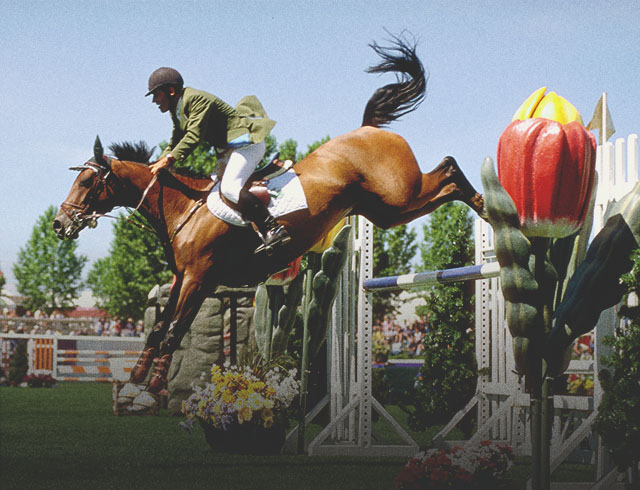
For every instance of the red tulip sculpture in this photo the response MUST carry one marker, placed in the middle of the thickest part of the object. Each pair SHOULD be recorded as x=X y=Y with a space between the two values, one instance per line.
x=546 y=162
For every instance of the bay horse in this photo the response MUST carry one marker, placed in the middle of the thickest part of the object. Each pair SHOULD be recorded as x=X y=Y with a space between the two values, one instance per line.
x=369 y=172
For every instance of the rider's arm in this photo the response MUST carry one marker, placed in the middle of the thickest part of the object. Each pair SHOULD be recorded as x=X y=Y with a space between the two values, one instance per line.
x=200 y=111
x=175 y=137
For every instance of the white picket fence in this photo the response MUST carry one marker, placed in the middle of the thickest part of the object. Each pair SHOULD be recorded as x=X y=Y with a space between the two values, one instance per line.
x=617 y=167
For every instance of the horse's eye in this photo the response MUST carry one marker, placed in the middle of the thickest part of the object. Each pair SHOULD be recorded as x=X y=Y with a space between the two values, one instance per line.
x=86 y=182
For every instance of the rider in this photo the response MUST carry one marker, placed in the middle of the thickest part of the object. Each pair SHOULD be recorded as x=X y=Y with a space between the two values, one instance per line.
x=238 y=135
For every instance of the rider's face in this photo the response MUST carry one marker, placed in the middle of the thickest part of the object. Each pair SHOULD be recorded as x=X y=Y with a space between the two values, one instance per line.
x=161 y=97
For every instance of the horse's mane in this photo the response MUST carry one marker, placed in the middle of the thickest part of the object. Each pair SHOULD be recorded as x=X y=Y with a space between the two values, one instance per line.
x=132 y=152
x=140 y=152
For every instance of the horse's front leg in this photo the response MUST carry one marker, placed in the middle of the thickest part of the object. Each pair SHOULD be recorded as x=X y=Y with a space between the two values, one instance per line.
x=190 y=299
x=157 y=334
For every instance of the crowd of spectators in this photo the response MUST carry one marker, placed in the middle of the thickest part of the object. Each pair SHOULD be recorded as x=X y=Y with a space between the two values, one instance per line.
x=38 y=322
x=402 y=336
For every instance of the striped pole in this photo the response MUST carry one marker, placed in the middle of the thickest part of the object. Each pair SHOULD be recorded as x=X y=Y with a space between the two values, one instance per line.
x=421 y=279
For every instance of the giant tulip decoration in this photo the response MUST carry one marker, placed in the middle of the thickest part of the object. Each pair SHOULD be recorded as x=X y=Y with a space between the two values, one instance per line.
x=543 y=191
x=546 y=162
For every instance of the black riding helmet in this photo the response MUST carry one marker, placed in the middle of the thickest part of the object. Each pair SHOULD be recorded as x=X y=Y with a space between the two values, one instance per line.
x=164 y=76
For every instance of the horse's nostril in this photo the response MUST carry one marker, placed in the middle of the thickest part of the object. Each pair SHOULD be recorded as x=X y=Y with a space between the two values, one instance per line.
x=57 y=226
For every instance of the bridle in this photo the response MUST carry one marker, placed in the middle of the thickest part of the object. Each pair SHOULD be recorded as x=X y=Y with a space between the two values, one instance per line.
x=79 y=216
x=78 y=213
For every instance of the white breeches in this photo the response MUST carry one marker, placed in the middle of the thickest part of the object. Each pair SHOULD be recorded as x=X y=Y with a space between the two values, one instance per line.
x=240 y=164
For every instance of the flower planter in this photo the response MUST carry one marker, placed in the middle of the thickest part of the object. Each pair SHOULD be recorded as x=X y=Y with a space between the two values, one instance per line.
x=245 y=438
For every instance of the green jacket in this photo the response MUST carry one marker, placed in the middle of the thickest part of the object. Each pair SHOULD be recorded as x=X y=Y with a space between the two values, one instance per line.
x=201 y=116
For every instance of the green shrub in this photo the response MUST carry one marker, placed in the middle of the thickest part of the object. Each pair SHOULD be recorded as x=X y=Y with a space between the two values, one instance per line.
x=19 y=364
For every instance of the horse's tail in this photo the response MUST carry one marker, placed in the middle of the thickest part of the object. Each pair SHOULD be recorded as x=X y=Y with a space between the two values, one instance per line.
x=393 y=101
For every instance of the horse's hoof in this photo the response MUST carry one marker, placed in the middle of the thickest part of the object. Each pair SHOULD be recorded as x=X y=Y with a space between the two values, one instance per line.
x=127 y=394
x=477 y=204
x=158 y=379
x=142 y=403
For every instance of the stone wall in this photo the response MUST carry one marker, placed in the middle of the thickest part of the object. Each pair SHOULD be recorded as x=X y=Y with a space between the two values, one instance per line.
x=204 y=343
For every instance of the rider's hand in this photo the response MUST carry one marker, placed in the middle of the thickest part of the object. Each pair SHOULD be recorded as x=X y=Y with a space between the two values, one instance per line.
x=161 y=164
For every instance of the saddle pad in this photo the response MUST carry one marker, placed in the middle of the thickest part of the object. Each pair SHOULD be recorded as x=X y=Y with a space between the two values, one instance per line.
x=286 y=193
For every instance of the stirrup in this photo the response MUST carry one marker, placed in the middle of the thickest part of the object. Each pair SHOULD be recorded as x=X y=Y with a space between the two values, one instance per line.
x=273 y=239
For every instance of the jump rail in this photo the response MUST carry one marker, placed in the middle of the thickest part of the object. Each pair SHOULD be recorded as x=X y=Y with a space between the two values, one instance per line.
x=421 y=279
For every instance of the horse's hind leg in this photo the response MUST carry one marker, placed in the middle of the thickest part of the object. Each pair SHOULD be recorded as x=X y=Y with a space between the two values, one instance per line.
x=455 y=185
x=443 y=184
x=152 y=344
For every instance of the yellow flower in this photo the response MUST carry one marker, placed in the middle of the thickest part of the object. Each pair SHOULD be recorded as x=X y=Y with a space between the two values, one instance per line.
x=244 y=414
x=267 y=417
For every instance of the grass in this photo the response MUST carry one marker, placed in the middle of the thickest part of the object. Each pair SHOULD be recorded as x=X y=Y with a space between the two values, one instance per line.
x=67 y=438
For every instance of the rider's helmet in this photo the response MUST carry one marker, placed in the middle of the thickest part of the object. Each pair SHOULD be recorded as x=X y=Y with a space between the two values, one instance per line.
x=162 y=77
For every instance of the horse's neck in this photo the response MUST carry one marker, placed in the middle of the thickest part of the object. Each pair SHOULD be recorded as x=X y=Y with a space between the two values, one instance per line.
x=136 y=178
x=161 y=211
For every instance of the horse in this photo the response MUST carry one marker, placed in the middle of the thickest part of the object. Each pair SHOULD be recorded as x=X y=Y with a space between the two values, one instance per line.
x=369 y=171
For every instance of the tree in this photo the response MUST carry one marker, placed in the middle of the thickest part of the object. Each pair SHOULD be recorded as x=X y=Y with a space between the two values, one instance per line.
x=313 y=146
x=48 y=271
x=289 y=149
x=200 y=163
x=3 y=281
x=136 y=262
x=448 y=377
x=393 y=251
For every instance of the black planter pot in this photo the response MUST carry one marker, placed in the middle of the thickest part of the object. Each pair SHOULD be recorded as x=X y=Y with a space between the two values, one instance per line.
x=245 y=438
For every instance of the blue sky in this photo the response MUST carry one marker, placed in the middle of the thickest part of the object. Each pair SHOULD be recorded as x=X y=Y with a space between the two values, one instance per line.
x=71 y=70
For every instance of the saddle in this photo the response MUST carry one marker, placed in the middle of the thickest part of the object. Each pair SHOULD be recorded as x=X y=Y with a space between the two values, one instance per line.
x=259 y=180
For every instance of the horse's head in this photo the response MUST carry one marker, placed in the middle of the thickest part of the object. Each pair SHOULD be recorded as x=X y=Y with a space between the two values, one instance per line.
x=91 y=195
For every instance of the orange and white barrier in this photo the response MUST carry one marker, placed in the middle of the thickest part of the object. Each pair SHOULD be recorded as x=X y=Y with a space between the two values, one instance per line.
x=76 y=358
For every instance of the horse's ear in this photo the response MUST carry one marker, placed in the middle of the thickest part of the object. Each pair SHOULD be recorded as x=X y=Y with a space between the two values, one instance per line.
x=98 y=151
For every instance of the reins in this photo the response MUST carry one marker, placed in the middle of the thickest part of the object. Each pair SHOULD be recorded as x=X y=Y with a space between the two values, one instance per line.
x=77 y=213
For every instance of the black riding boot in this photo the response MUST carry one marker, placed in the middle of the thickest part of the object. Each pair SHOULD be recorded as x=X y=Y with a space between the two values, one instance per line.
x=254 y=210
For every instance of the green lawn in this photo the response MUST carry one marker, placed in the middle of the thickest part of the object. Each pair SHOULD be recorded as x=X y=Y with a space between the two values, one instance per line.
x=67 y=438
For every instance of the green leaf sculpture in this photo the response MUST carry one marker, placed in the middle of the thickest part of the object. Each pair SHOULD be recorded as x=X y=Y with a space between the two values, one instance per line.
x=325 y=287
x=277 y=312
x=513 y=250
x=271 y=336
x=595 y=286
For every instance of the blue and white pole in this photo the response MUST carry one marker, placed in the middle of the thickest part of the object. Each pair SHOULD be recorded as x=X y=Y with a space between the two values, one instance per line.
x=421 y=279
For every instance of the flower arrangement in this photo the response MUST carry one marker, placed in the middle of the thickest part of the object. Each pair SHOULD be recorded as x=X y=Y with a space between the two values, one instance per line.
x=457 y=468
x=241 y=395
